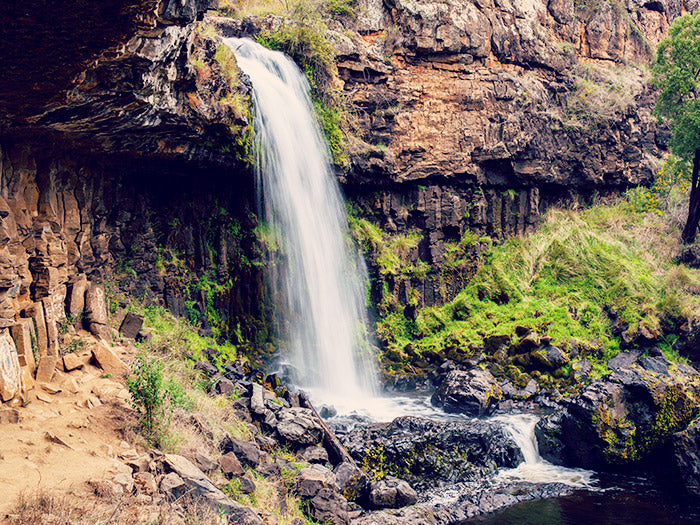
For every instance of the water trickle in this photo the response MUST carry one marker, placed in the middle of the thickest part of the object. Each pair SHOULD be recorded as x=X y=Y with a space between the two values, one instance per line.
x=535 y=469
x=324 y=287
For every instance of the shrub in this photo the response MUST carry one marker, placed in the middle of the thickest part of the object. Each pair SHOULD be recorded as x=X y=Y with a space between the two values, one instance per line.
x=149 y=396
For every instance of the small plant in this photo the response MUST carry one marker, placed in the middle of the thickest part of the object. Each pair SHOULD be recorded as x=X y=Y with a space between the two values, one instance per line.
x=149 y=396
x=76 y=345
x=65 y=323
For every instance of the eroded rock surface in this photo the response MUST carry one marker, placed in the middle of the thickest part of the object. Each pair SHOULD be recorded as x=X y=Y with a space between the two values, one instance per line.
x=622 y=418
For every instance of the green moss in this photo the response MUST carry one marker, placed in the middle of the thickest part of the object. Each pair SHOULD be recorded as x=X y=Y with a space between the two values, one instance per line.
x=569 y=281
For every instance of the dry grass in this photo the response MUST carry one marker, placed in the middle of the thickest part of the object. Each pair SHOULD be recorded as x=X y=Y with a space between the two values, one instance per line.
x=45 y=508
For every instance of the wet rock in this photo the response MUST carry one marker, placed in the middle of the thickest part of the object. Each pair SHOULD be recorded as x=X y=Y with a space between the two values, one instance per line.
x=327 y=411
x=391 y=493
x=475 y=392
x=622 y=418
x=354 y=484
x=299 y=427
x=246 y=452
x=686 y=458
x=427 y=452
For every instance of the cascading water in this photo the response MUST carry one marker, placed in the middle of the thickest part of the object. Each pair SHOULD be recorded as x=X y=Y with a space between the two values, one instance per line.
x=325 y=283
x=534 y=468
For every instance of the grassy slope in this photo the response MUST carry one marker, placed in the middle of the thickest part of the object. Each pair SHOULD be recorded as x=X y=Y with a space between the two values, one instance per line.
x=580 y=273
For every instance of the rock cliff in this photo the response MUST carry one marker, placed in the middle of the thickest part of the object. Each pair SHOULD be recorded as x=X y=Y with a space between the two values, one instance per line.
x=483 y=114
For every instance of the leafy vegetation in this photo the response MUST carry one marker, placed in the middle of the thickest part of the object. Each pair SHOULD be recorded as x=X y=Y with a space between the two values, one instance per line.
x=676 y=72
x=601 y=93
x=304 y=35
x=594 y=279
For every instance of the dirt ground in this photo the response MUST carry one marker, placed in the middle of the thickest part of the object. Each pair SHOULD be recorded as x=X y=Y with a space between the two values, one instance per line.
x=70 y=432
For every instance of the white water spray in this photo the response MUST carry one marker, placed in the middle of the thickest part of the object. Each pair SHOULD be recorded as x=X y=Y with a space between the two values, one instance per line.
x=535 y=469
x=325 y=314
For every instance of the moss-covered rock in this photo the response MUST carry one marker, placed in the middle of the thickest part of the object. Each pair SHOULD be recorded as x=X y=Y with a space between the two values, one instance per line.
x=624 y=417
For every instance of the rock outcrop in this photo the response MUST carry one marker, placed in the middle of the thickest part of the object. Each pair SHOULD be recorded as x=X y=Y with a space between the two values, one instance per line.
x=624 y=417
x=428 y=453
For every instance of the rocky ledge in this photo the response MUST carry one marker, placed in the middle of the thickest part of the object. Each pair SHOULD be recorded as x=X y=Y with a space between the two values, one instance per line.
x=137 y=78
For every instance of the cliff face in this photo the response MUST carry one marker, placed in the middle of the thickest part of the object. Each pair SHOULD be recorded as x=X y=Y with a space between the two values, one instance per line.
x=123 y=162
x=129 y=78
x=124 y=131
x=483 y=114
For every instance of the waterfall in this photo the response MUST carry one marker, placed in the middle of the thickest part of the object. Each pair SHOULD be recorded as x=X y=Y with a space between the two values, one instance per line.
x=324 y=286
x=535 y=469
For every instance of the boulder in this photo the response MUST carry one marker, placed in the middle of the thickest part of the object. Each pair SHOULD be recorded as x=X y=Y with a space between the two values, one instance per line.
x=224 y=387
x=204 y=461
x=247 y=486
x=108 y=360
x=299 y=427
x=193 y=482
x=314 y=478
x=391 y=493
x=623 y=359
x=686 y=458
x=257 y=404
x=353 y=483
x=622 y=418
x=329 y=506
x=430 y=453
x=131 y=325
x=474 y=392
x=46 y=368
x=72 y=362
x=246 y=452
x=315 y=454
x=549 y=358
x=230 y=465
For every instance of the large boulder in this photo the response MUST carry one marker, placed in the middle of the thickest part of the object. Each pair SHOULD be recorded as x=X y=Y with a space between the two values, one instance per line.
x=185 y=478
x=474 y=392
x=314 y=478
x=317 y=485
x=623 y=417
x=428 y=453
x=353 y=483
x=299 y=427
x=686 y=458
